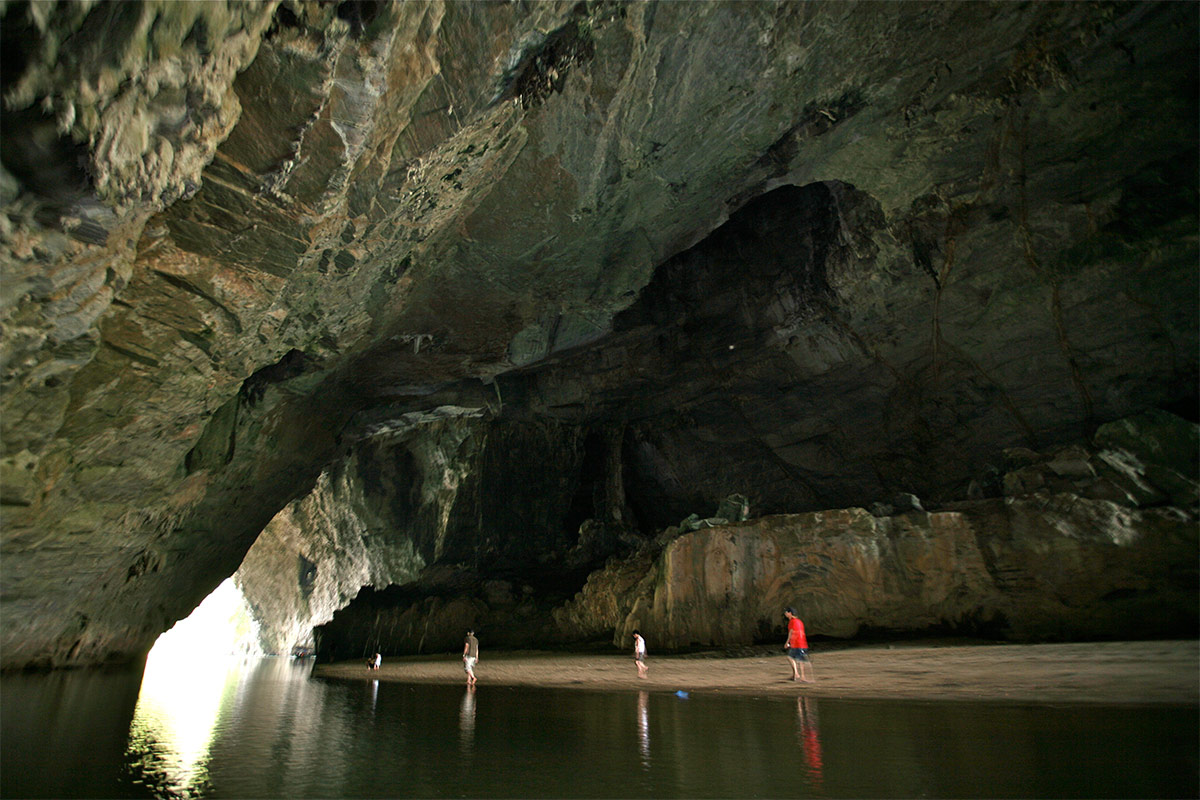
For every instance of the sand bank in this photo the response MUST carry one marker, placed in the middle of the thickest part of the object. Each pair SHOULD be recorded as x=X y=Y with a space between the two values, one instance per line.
x=1093 y=672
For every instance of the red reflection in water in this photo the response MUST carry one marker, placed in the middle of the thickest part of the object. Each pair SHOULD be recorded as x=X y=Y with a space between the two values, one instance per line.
x=810 y=740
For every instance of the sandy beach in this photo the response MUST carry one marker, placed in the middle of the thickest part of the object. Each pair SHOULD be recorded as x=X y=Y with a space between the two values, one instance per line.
x=1091 y=672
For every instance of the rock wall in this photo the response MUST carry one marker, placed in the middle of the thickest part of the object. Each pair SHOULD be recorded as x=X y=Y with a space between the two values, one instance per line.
x=1050 y=564
x=234 y=234
x=433 y=618
x=360 y=526
x=444 y=501
x=1048 y=567
x=846 y=374
x=1103 y=545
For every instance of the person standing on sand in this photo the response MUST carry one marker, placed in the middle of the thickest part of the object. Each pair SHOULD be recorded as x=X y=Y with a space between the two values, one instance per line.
x=797 y=647
x=639 y=654
x=470 y=656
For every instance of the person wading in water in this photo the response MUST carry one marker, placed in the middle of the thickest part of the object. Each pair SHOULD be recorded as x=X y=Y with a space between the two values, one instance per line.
x=470 y=656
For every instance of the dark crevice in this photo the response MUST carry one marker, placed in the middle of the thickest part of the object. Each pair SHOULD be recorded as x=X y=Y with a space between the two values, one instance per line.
x=199 y=36
x=192 y=289
x=539 y=65
x=360 y=14
x=217 y=443
x=19 y=40
x=307 y=575
x=293 y=364
x=778 y=241
x=587 y=502
x=285 y=19
x=132 y=355
x=48 y=164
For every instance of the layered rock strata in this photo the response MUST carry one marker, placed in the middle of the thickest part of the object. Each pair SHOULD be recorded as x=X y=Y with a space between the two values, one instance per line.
x=1097 y=550
x=1102 y=545
x=236 y=237
x=1049 y=567
x=434 y=507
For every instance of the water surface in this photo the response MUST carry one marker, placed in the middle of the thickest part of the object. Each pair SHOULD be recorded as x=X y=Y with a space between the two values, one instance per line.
x=267 y=729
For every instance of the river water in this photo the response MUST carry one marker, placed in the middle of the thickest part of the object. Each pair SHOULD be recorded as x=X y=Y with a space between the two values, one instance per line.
x=265 y=728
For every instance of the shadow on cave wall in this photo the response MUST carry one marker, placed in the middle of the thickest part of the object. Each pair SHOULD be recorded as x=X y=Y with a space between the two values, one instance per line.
x=740 y=369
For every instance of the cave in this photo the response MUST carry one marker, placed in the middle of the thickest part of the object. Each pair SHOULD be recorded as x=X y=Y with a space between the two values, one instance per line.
x=559 y=320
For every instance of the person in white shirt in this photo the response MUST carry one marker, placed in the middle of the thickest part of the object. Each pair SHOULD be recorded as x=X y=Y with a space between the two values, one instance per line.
x=639 y=654
x=470 y=656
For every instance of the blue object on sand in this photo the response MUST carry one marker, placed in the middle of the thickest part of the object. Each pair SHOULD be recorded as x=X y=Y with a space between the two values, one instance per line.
x=681 y=693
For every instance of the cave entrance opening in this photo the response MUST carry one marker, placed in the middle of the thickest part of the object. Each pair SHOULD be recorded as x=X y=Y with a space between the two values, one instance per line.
x=222 y=626
x=189 y=672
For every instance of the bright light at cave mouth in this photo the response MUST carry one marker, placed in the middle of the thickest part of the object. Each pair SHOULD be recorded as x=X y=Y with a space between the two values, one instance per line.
x=220 y=626
x=187 y=679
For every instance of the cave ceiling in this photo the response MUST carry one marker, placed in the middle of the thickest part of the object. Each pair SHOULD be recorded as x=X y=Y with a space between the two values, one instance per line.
x=817 y=253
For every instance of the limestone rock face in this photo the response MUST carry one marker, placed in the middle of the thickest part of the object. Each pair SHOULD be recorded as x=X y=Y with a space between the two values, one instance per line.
x=1043 y=565
x=1046 y=567
x=1063 y=561
x=462 y=513
x=817 y=254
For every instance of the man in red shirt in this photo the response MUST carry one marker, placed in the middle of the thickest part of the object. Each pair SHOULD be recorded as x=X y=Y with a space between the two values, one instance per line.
x=797 y=647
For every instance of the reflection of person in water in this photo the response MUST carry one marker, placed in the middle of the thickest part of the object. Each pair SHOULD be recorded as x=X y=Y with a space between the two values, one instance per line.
x=810 y=739
x=644 y=727
x=466 y=720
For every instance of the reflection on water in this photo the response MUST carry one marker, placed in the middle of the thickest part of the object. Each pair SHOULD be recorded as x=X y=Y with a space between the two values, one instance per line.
x=188 y=676
x=270 y=730
x=644 y=727
x=63 y=734
x=810 y=741
x=175 y=718
x=466 y=721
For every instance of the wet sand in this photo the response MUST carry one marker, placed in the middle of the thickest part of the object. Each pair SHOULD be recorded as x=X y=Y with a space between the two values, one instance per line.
x=1092 y=672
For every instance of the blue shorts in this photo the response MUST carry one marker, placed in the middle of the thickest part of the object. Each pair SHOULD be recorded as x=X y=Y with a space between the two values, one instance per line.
x=798 y=653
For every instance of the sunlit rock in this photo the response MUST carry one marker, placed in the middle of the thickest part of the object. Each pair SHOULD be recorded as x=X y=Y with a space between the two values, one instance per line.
x=464 y=514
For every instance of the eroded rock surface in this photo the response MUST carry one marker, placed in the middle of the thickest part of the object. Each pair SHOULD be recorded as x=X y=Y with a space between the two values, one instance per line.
x=1053 y=564
x=815 y=253
x=1047 y=567
x=448 y=505
x=1072 y=558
